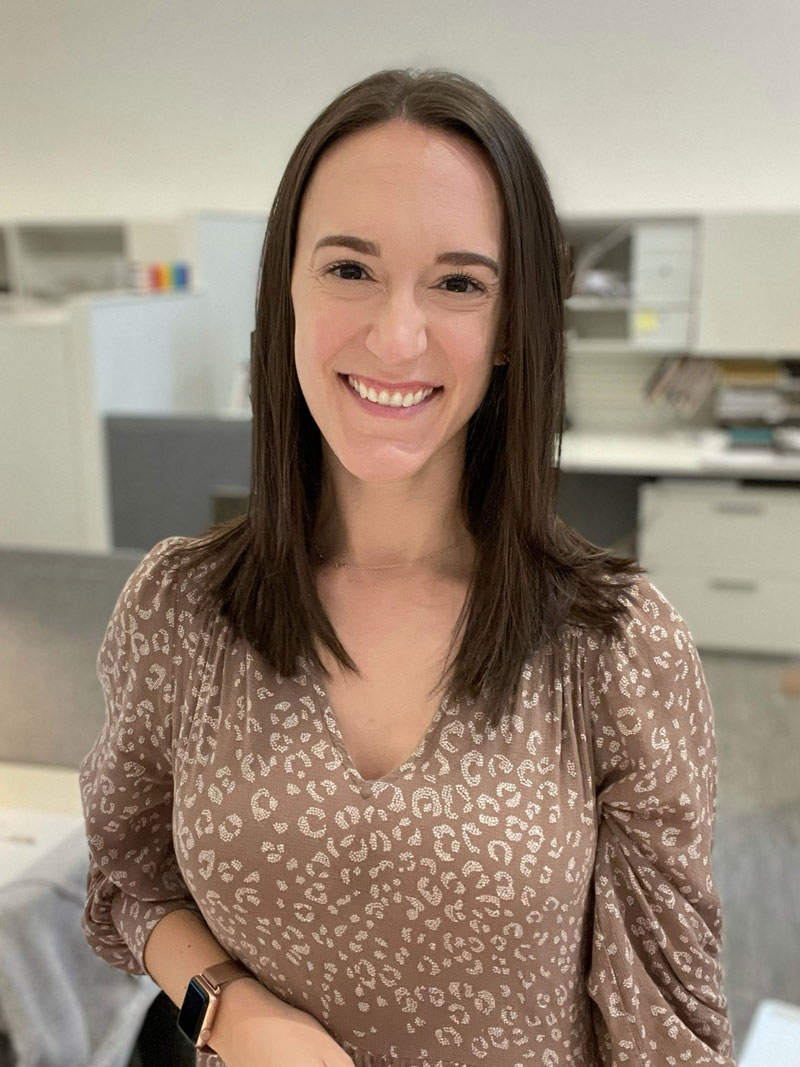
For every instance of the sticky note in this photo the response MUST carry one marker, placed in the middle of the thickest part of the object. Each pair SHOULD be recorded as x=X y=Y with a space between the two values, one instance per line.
x=646 y=321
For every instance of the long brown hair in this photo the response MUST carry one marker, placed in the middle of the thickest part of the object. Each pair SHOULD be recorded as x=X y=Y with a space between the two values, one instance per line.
x=533 y=573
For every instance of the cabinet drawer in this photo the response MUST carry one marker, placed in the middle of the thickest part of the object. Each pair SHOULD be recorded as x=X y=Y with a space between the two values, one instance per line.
x=663 y=275
x=732 y=613
x=708 y=528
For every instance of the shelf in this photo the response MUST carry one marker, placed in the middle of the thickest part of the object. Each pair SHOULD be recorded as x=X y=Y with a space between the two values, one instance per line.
x=771 y=357
x=618 y=303
x=621 y=347
x=59 y=259
x=108 y=297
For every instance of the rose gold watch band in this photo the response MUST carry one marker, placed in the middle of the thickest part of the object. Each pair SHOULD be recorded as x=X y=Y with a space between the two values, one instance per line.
x=216 y=978
x=222 y=973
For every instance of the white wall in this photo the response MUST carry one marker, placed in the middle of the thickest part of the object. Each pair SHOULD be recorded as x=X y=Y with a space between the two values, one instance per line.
x=149 y=109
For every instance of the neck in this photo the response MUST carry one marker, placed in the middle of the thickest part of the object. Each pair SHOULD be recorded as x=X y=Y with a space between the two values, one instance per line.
x=397 y=530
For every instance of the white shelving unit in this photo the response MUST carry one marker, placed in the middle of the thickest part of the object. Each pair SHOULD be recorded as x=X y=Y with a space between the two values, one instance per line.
x=651 y=288
x=634 y=284
x=717 y=286
x=708 y=285
x=633 y=300
x=76 y=346
x=52 y=261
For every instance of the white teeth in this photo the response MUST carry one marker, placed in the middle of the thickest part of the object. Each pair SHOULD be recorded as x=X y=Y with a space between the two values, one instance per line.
x=387 y=399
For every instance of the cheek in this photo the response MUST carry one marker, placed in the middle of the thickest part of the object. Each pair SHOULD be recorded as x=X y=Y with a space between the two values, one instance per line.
x=320 y=339
x=326 y=331
x=467 y=341
x=329 y=336
x=321 y=329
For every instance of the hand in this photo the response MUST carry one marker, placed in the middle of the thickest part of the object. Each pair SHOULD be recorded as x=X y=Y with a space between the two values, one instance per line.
x=254 y=1028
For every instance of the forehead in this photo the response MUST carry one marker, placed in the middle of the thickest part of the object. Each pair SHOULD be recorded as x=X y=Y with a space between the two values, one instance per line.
x=405 y=181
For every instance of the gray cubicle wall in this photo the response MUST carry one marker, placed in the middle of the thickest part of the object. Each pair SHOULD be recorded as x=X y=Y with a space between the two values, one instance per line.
x=163 y=472
x=54 y=609
x=602 y=507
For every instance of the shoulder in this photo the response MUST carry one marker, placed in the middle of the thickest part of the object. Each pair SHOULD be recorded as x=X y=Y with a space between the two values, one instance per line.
x=652 y=618
x=163 y=579
x=154 y=575
x=650 y=678
x=652 y=631
x=157 y=605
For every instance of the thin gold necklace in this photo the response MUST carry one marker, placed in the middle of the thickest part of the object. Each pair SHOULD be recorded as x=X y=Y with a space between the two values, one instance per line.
x=388 y=566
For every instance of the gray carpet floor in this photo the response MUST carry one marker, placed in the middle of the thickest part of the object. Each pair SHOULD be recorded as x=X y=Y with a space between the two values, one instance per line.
x=756 y=853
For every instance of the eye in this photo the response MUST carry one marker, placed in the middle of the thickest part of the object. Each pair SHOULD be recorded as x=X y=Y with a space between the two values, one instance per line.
x=345 y=264
x=460 y=279
x=464 y=279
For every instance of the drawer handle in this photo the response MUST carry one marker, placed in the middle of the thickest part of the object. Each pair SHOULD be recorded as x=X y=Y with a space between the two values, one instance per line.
x=743 y=507
x=743 y=585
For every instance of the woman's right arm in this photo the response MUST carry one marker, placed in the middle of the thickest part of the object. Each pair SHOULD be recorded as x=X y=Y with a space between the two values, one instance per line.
x=252 y=1027
x=137 y=900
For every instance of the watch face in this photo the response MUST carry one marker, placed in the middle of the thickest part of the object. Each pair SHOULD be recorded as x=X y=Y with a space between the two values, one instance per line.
x=193 y=1010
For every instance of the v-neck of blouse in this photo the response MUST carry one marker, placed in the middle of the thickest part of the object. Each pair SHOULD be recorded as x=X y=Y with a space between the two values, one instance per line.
x=328 y=712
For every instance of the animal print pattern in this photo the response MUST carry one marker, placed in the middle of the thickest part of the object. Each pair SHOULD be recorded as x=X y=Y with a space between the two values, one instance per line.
x=538 y=894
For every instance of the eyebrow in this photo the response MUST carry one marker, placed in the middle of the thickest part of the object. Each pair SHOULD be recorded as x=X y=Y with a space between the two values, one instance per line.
x=369 y=248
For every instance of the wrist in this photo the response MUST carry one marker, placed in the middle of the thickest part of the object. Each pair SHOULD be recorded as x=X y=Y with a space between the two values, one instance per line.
x=203 y=998
x=240 y=1001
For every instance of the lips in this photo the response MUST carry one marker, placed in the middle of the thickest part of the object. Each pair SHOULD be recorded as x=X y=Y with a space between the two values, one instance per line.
x=387 y=411
x=390 y=387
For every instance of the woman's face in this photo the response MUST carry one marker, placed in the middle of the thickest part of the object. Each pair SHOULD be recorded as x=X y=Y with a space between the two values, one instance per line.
x=375 y=298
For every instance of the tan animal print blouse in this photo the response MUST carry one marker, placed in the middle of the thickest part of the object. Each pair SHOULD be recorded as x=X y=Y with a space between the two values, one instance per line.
x=536 y=895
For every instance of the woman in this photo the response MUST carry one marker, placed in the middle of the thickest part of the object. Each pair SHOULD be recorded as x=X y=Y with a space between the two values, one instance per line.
x=516 y=872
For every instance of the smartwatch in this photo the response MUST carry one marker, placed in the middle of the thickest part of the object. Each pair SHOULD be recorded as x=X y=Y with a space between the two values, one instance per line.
x=201 y=1000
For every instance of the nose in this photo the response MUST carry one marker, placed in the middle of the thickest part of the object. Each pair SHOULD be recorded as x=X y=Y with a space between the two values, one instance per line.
x=398 y=333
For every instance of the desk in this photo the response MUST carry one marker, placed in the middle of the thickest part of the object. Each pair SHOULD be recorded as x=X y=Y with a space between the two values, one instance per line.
x=59 y=1002
x=693 y=454
x=601 y=475
x=40 y=787
x=39 y=808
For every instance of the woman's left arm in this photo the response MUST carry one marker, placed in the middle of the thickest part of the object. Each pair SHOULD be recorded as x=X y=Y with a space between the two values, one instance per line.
x=655 y=978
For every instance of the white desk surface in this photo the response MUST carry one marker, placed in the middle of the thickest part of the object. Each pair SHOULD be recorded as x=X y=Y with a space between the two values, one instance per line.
x=40 y=788
x=693 y=453
x=39 y=807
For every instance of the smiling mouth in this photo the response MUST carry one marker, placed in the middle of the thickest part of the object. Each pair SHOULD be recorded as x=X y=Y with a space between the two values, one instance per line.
x=424 y=394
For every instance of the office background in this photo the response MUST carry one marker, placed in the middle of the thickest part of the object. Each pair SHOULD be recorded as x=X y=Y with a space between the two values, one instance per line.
x=171 y=125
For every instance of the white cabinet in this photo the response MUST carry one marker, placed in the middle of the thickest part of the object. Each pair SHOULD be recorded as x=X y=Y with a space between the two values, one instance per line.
x=69 y=357
x=634 y=284
x=711 y=284
x=662 y=284
x=749 y=285
x=661 y=265
x=52 y=457
x=726 y=557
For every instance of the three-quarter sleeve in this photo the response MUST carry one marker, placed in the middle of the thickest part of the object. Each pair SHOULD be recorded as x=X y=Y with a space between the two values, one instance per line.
x=655 y=978
x=126 y=778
